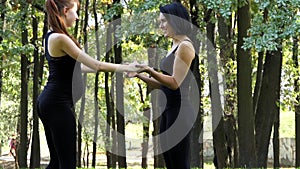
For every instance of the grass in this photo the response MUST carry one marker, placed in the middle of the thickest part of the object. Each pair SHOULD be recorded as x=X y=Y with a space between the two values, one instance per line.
x=287 y=124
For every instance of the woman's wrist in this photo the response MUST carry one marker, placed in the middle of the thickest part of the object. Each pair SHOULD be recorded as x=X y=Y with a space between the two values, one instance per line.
x=150 y=71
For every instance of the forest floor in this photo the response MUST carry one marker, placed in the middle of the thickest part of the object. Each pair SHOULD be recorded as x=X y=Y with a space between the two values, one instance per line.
x=8 y=162
x=133 y=150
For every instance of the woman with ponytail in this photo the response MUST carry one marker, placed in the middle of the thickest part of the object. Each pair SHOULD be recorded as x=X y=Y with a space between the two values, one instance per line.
x=64 y=87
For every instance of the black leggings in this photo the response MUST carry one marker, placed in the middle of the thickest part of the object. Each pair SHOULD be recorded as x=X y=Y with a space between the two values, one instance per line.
x=177 y=157
x=60 y=130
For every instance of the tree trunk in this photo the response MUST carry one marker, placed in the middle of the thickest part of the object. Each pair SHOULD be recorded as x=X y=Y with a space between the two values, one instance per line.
x=83 y=99
x=109 y=105
x=158 y=157
x=216 y=107
x=276 y=139
x=229 y=86
x=257 y=87
x=120 y=120
x=79 y=125
x=35 y=145
x=244 y=82
x=119 y=97
x=276 y=146
x=23 y=142
x=151 y=60
x=297 y=105
x=96 y=111
x=145 y=137
x=196 y=135
x=2 y=20
x=268 y=104
x=96 y=107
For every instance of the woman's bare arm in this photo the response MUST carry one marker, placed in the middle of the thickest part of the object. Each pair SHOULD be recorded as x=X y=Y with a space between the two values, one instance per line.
x=183 y=59
x=69 y=47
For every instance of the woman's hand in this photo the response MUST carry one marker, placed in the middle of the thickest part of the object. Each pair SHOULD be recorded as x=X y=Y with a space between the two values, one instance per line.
x=132 y=67
x=131 y=74
x=144 y=68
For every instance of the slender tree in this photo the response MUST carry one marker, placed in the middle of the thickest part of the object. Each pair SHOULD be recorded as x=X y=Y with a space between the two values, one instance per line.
x=86 y=49
x=35 y=146
x=216 y=107
x=2 y=19
x=297 y=104
x=158 y=158
x=267 y=114
x=83 y=99
x=227 y=61
x=267 y=104
x=146 y=110
x=244 y=90
x=110 y=142
x=96 y=107
x=119 y=97
x=22 y=148
x=197 y=137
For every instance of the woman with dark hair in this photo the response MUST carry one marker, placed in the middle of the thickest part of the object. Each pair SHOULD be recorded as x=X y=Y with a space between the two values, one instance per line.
x=178 y=114
x=66 y=60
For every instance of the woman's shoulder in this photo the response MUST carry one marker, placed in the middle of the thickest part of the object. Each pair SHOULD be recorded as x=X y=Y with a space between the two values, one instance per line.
x=58 y=37
x=56 y=43
x=186 y=43
x=186 y=47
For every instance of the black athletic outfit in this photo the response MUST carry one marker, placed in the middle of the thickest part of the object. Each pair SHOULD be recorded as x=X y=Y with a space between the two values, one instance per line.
x=176 y=119
x=56 y=109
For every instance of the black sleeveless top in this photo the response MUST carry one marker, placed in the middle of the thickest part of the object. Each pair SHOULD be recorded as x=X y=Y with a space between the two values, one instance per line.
x=65 y=78
x=182 y=92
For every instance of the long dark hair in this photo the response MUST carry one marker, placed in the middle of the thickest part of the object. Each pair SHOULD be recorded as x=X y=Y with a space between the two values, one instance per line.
x=178 y=17
x=54 y=10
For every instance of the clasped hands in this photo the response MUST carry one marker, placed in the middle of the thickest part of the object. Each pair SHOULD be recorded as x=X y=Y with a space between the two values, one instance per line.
x=136 y=69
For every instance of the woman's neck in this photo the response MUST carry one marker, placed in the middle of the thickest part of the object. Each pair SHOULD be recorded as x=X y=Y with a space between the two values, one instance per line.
x=178 y=38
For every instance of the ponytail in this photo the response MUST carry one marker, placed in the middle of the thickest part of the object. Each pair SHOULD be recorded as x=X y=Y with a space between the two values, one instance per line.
x=55 y=12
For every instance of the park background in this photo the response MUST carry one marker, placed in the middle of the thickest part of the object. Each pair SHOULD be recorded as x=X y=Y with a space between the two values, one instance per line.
x=247 y=75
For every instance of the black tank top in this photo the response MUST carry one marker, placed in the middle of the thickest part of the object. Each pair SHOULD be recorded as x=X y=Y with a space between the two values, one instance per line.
x=65 y=78
x=166 y=67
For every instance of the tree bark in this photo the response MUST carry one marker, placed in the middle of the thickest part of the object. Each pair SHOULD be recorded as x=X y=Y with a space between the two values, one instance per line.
x=108 y=101
x=35 y=146
x=23 y=141
x=196 y=135
x=257 y=87
x=96 y=107
x=83 y=99
x=158 y=158
x=216 y=107
x=276 y=147
x=79 y=125
x=151 y=60
x=297 y=105
x=2 y=20
x=268 y=104
x=245 y=105
x=229 y=86
x=119 y=97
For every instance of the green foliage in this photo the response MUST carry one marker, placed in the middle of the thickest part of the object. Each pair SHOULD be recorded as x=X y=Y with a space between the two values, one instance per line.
x=9 y=117
x=281 y=24
x=220 y=7
x=114 y=10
